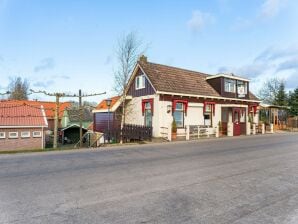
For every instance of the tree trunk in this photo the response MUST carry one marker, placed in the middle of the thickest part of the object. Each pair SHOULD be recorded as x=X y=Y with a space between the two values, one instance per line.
x=122 y=118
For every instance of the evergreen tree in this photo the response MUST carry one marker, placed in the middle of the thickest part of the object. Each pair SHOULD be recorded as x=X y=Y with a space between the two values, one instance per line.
x=281 y=96
x=293 y=102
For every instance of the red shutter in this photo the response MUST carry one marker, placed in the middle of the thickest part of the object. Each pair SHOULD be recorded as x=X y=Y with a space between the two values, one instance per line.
x=151 y=105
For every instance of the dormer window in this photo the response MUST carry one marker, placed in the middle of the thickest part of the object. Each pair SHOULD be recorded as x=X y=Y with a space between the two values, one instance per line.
x=241 y=88
x=140 y=82
x=230 y=85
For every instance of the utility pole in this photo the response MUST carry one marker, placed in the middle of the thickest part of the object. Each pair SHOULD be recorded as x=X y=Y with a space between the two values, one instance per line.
x=56 y=121
x=81 y=118
x=58 y=96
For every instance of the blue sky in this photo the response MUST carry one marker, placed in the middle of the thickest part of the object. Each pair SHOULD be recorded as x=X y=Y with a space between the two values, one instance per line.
x=66 y=45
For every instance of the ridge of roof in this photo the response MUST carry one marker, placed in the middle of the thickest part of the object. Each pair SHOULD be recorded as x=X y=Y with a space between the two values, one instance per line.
x=177 y=68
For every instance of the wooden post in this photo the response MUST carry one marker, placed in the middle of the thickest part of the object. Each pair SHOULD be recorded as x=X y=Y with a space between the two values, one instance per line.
x=81 y=118
x=170 y=132
x=271 y=129
x=56 y=122
x=187 y=132
x=263 y=129
x=217 y=132
x=253 y=129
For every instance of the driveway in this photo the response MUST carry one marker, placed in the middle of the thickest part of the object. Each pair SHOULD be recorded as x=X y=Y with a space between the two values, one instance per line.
x=250 y=179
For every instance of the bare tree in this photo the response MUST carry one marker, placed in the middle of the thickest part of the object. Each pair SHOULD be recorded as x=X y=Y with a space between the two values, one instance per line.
x=18 y=89
x=270 y=90
x=128 y=52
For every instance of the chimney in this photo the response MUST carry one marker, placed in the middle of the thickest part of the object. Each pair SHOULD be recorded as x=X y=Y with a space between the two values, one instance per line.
x=143 y=59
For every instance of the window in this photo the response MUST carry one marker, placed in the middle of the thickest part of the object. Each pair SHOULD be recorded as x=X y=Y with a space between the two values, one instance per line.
x=36 y=134
x=140 y=82
x=25 y=134
x=179 y=115
x=230 y=85
x=2 y=135
x=207 y=119
x=148 y=114
x=13 y=134
x=241 y=88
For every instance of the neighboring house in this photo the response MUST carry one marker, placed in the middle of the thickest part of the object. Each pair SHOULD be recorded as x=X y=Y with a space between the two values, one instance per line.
x=157 y=94
x=70 y=132
x=49 y=108
x=22 y=126
x=104 y=116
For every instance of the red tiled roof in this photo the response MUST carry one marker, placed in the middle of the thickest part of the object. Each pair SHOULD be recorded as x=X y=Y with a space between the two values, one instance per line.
x=49 y=107
x=21 y=115
x=103 y=106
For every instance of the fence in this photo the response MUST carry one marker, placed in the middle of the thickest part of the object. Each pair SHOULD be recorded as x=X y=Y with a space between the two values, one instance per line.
x=130 y=133
x=293 y=123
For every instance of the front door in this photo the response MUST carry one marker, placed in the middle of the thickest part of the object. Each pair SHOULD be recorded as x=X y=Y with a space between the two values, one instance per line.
x=236 y=122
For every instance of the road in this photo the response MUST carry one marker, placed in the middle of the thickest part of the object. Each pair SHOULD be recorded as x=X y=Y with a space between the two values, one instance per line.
x=250 y=179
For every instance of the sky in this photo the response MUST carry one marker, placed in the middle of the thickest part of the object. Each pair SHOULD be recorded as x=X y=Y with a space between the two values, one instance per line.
x=64 y=46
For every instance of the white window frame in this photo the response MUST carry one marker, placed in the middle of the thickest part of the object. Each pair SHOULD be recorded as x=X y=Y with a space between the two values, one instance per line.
x=25 y=134
x=179 y=109
x=36 y=135
x=140 y=82
x=2 y=134
x=231 y=88
x=242 y=84
x=13 y=132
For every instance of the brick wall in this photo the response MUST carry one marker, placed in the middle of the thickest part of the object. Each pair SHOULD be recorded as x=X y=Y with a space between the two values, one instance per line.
x=20 y=143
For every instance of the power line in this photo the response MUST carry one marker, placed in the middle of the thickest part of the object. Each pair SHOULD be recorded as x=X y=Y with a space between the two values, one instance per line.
x=59 y=95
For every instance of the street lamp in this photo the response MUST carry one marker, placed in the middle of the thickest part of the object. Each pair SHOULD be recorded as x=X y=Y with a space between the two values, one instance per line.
x=108 y=103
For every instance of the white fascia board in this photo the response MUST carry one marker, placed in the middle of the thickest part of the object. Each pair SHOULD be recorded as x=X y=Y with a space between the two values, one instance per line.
x=227 y=76
x=210 y=97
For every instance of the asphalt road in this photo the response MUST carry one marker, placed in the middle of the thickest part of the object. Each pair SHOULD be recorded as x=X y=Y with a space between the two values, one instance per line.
x=234 y=180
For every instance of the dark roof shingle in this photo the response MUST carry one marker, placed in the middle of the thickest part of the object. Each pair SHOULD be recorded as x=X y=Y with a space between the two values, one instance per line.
x=176 y=80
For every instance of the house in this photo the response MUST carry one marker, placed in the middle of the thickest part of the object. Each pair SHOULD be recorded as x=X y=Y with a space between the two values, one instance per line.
x=105 y=116
x=70 y=125
x=157 y=94
x=22 y=126
x=49 y=108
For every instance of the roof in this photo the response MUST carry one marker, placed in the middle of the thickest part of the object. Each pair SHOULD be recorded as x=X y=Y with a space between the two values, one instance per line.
x=231 y=76
x=49 y=107
x=74 y=115
x=181 y=81
x=264 y=105
x=72 y=126
x=103 y=105
x=21 y=115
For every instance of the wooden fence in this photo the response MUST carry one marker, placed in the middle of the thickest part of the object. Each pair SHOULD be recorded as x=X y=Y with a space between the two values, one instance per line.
x=293 y=123
x=130 y=133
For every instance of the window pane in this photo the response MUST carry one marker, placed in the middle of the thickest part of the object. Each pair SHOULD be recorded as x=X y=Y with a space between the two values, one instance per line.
x=178 y=116
x=179 y=106
x=148 y=118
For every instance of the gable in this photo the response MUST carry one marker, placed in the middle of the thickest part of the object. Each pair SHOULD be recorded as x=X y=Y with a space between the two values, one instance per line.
x=136 y=92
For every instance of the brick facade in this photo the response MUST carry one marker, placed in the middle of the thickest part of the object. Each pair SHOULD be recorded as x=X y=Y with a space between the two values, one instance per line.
x=20 y=142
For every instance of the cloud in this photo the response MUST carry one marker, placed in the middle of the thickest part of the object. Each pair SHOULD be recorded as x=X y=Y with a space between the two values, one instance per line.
x=45 y=64
x=288 y=64
x=199 y=20
x=60 y=77
x=272 y=62
x=272 y=53
x=271 y=8
x=44 y=84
